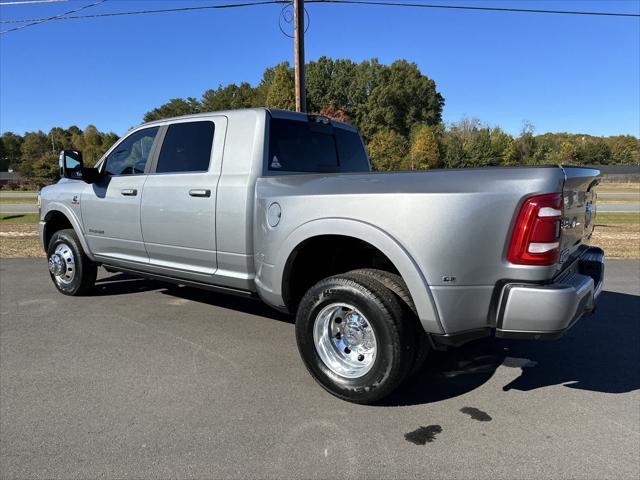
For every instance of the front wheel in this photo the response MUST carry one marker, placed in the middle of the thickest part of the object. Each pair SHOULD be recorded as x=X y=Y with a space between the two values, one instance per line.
x=352 y=338
x=71 y=270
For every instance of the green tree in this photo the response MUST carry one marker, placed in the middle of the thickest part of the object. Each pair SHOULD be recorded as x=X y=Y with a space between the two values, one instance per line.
x=92 y=144
x=424 y=152
x=60 y=138
x=262 y=90
x=625 y=149
x=4 y=160
x=454 y=153
x=387 y=150
x=34 y=146
x=12 y=153
x=329 y=82
x=281 y=91
x=174 y=108
x=525 y=145
x=108 y=140
x=565 y=154
x=594 y=151
x=480 y=150
x=511 y=155
x=46 y=167
x=364 y=79
x=228 y=98
x=501 y=143
x=402 y=98
x=371 y=95
x=544 y=149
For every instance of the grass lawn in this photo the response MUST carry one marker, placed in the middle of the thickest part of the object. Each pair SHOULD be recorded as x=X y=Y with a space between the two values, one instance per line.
x=615 y=200
x=618 y=234
x=31 y=200
x=19 y=235
x=19 y=218
x=609 y=218
x=619 y=188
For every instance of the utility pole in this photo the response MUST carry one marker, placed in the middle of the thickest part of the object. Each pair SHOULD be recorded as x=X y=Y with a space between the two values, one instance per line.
x=298 y=39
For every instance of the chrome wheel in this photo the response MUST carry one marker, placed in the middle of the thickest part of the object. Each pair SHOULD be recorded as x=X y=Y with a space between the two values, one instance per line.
x=62 y=264
x=345 y=340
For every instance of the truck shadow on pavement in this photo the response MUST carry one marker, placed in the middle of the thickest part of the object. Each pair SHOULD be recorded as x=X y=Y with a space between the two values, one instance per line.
x=121 y=284
x=601 y=353
x=222 y=300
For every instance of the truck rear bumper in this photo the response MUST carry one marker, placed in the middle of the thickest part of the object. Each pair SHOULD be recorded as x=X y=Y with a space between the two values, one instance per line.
x=546 y=311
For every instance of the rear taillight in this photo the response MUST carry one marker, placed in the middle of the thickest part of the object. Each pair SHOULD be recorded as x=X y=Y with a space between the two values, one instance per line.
x=536 y=236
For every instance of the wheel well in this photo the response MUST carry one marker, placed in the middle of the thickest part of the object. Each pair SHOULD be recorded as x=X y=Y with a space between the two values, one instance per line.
x=55 y=221
x=324 y=256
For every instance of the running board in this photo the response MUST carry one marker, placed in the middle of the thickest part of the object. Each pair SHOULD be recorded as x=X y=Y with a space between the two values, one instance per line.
x=181 y=281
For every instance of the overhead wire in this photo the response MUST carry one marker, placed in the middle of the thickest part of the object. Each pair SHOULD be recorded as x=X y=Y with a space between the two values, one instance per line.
x=153 y=11
x=477 y=8
x=25 y=2
x=55 y=17
x=381 y=3
x=69 y=16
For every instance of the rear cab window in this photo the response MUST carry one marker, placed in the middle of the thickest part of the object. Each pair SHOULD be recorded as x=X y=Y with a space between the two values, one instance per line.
x=186 y=148
x=314 y=146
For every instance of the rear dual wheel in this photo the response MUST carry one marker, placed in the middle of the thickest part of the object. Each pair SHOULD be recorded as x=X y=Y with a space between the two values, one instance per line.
x=354 y=337
x=397 y=285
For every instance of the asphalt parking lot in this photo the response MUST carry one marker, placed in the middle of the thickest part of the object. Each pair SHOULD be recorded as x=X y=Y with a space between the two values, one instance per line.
x=144 y=380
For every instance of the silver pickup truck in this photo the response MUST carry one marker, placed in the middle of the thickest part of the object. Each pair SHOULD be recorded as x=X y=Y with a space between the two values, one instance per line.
x=378 y=268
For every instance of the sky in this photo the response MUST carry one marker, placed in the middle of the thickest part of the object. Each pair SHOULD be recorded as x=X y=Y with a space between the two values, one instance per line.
x=561 y=73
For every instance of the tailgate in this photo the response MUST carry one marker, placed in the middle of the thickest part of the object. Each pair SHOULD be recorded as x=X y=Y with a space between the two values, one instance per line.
x=579 y=209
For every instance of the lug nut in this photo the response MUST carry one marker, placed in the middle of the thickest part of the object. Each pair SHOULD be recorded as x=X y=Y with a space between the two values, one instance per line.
x=360 y=357
x=347 y=350
x=338 y=335
x=338 y=320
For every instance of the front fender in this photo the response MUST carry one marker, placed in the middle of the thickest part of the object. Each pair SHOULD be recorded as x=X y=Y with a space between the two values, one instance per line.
x=373 y=235
x=55 y=206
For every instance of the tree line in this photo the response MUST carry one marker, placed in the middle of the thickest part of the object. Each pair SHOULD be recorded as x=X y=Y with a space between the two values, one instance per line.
x=396 y=107
x=34 y=155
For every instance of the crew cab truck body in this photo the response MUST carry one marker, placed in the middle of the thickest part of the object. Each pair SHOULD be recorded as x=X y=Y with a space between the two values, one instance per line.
x=377 y=267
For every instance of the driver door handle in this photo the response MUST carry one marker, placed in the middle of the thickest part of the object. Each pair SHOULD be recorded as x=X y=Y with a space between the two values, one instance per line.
x=129 y=192
x=200 y=192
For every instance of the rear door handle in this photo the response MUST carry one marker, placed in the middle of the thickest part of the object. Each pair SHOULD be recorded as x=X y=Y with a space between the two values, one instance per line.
x=129 y=192
x=200 y=192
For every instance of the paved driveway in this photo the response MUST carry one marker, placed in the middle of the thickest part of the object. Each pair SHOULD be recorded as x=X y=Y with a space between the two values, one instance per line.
x=143 y=381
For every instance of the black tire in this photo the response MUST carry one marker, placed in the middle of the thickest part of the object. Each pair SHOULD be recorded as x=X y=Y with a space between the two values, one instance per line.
x=84 y=270
x=397 y=285
x=384 y=314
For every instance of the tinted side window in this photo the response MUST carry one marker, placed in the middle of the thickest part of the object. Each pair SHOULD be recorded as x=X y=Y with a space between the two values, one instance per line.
x=353 y=156
x=296 y=146
x=131 y=155
x=186 y=148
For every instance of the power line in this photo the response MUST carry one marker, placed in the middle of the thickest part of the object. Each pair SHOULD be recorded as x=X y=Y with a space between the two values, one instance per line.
x=24 y=2
x=69 y=16
x=55 y=17
x=160 y=10
x=468 y=7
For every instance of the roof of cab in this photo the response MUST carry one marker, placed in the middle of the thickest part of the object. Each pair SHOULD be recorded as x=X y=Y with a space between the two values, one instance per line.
x=275 y=113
